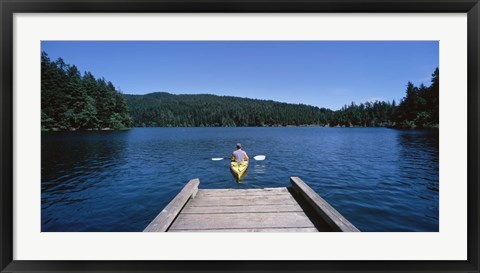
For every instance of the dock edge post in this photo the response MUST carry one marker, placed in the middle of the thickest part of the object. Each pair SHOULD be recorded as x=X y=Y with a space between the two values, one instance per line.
x=329 y=214
x=166 y=217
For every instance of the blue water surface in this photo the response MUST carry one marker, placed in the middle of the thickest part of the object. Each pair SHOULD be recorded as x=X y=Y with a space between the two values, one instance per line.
x=380 y=179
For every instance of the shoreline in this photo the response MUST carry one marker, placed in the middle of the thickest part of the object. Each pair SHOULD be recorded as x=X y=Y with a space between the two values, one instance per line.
x=274 y=126
x=84 y=130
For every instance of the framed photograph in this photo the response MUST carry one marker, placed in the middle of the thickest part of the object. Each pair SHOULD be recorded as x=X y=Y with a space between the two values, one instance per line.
x=239 y=136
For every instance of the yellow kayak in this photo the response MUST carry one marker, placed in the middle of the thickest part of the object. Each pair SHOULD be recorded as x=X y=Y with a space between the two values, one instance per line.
x=239 y=169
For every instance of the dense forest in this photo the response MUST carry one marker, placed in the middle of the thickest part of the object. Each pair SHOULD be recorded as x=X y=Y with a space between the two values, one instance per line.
x=72 y=101
x=164 y=109
x=418 y=109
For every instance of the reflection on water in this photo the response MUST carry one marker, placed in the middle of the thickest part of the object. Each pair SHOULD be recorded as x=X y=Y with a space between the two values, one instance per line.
x=380 y=179
x=259 y=168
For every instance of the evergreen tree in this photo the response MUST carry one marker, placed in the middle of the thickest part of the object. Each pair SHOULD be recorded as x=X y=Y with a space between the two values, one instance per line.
x=419 y=108
x=71 y=101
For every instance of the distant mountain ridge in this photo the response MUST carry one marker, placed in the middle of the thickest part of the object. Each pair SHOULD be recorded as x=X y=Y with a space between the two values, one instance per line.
x=165 y=109
x=418 y=109
x=74 y=101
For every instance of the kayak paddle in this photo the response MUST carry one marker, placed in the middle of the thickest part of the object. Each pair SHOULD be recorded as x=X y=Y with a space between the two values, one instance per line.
x=257 y=157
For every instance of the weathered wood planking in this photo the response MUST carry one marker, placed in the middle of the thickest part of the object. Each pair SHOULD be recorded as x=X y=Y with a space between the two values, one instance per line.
x=322 y=207
x=249 y=230
x=242 y=192
x=272 y=209
x=165 y=218
x=249 y=210
x=242 y=209
x=243 y=201
x=241 y=221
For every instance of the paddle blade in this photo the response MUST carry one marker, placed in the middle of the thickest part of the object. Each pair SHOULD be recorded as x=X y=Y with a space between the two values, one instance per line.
x=217 y=158
x=259 y=157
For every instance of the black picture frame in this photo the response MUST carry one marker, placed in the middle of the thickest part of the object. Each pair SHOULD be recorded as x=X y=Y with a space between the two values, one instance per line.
x=10 y=7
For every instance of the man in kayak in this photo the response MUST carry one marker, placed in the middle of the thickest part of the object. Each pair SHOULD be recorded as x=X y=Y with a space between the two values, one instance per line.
x=239 y=155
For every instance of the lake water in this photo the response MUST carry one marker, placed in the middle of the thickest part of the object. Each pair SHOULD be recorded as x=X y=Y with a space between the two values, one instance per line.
x=380 y=179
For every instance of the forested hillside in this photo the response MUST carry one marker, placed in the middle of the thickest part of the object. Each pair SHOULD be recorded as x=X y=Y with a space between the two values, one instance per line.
x=418 y=109
x=164 y=109
x=72 y=101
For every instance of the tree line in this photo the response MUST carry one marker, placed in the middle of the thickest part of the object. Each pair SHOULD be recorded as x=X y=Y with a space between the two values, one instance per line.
x=166 y=110
x=418 y=109
x=72 y=101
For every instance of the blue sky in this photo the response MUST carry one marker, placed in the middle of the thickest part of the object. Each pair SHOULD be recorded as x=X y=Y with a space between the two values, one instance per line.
x=320 y=73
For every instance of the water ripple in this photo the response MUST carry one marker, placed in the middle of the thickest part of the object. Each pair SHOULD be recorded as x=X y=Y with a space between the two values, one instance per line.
x=380 y=179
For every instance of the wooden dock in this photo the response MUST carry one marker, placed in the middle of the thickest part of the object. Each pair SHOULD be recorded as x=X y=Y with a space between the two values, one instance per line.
x=294 y=209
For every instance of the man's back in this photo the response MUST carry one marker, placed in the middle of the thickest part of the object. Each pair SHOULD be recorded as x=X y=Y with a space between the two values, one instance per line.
x=239 y=155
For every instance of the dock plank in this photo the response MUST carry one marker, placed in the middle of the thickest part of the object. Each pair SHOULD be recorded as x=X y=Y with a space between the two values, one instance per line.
x=322 y=207
x=242 y=192
x=249 y=230
x=241 y=221
x=295 y=209
x=242 y=200
x=165 y=218
x=242 y=209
